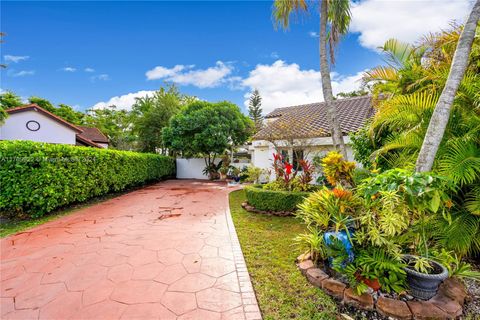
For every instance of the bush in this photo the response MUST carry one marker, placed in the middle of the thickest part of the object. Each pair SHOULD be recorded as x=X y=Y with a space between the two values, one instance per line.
x=36 y=178
x=271 y=200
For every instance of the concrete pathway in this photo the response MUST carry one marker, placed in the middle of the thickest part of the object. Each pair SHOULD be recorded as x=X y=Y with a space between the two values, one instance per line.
x=168 y=251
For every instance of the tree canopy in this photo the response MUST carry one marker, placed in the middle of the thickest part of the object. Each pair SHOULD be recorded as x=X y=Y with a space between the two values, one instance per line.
x=153 y=113
x=207 y=129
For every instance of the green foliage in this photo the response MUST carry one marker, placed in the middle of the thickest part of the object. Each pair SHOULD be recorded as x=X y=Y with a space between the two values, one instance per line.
x=255 y=110
x=329 y=209
x=408 y=89
x=270 y=200
x=207 y=129
x=116 y=124
x=3 y=115
x=153 y=113
x=9 y=100
x=363 y=146
x=37 y=178
x=253 y=174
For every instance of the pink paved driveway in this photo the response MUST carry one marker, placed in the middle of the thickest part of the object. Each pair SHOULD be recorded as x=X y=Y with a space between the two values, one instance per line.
x=168 y=251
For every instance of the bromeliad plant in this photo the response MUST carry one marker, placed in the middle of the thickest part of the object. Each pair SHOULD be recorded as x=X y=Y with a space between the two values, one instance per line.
x=287 y=179
x=337 y=170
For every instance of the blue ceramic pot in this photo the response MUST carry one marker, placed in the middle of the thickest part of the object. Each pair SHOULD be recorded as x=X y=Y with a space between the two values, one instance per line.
x=344 y=239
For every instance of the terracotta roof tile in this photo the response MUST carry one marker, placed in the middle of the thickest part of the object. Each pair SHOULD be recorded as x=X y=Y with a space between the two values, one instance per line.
x=93 y=134
x=311 y=120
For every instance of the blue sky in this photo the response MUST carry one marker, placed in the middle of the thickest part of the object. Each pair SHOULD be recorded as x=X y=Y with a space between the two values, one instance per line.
x=86 y=53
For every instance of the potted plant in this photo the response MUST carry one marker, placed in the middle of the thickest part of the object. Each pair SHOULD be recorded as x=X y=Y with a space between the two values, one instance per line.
x=424 y=276
x=223 y=172
x=332 y=211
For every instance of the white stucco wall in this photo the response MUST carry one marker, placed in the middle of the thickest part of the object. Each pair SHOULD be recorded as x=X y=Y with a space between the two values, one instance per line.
x=262 y=151
x=192 y=168
x=50 y=130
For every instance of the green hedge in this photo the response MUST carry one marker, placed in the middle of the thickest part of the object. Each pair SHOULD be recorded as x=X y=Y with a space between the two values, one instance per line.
x=36 y=178
x=269 y=200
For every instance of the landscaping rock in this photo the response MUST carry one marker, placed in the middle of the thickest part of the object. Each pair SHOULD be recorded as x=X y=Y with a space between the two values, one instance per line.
x=393 y=308
x=425 y=310
x=447 y=304
x=315 y=276
x=303 y=257
x=334 y=288
x=305 y=265
x=364 y=301
x=453 y=289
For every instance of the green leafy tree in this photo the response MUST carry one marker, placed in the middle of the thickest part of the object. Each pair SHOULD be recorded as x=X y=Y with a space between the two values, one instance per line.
x=117 y=124
x=335 y=18
x=153 y=113
x=255 y=109
x=9 y=100
x=71 y=115
x=42 y=103
x=207 y=129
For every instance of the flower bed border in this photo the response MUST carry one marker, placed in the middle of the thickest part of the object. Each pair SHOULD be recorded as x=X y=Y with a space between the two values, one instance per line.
x=446 y=304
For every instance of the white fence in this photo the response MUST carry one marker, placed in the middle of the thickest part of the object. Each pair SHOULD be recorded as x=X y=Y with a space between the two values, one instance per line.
x=192 y=168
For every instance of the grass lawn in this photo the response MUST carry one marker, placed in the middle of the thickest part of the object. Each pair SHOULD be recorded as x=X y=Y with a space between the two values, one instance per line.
x=282 y=291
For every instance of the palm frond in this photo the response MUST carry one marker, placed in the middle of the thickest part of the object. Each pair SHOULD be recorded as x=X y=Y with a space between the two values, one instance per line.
x=461 y=162
x=283 y=9
x=472 y=201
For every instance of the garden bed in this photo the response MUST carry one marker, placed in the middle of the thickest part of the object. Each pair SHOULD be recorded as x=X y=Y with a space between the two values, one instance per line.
x=446 y=304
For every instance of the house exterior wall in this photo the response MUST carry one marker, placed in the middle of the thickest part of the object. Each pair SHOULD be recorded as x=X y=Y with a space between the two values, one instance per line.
x=193 y=168
x=50 y=130
x=262 y=151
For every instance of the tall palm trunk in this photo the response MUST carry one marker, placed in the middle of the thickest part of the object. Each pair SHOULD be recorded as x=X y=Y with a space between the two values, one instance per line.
x=336 y=131
x=441 y=114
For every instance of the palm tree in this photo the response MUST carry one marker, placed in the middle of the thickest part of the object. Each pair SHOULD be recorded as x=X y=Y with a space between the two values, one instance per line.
x=334 y=15
x=441 y=114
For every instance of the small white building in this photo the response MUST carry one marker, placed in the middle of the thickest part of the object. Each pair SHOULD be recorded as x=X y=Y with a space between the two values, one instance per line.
x=303 y=131
x=31 y=122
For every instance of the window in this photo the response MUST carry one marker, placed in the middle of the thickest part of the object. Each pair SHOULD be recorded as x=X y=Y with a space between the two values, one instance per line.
x=33 y=125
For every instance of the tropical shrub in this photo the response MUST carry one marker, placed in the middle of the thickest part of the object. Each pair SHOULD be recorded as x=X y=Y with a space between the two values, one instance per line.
x=253 y=174
x=406 y=92
x=273 y=200
x=337 y=170
x=36 y=178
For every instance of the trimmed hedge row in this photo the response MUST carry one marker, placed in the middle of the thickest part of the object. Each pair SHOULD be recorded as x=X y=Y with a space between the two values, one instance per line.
x=269 y=200
x=36 y=178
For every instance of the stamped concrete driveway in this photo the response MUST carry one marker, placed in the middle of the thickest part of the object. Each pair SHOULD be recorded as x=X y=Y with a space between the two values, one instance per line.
x=167 y=251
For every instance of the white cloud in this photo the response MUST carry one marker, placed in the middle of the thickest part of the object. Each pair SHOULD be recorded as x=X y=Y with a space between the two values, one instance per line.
x=23 y=73
x=282 y=84
x=89 y=70
x=14 y=59
x=101 y=77
x=406 y=20
x=124 y=101
x=69 y=69
x=187 y=75
x=313 y=34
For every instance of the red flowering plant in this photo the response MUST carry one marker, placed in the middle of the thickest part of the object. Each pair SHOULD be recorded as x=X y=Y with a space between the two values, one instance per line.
x=307 y=172
x=286 y=178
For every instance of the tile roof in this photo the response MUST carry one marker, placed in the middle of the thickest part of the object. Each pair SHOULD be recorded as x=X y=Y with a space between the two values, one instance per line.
x=93 y=134
x=311 y=120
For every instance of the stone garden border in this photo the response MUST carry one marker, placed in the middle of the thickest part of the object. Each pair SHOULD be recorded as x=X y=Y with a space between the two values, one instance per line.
x=447 y=304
